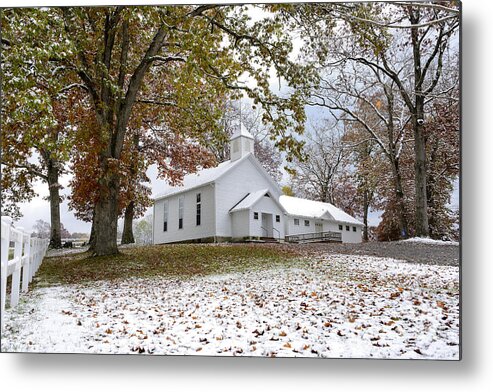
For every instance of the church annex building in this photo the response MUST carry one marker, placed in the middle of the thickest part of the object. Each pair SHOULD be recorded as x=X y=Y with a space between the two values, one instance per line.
x=239 y=201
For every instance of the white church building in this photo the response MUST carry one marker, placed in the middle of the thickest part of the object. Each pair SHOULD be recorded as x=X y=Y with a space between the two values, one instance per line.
x=239 y=201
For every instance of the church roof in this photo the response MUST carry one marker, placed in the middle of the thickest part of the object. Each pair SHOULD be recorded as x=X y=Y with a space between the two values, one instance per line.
x=249 y=200
x=252 y=198
x=208 y=176
x=242 y=132
x=200 y=178
x=315 y=209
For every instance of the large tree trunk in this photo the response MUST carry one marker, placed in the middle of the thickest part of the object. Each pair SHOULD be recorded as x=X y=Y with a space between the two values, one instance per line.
x=128 y=235
x=430 y=192
x=54 y=188
x=113 y=115
x=106 y=216
x=422 y=224
x=366 y=206
x=364 y=155
x=92 y=235
x=399 y=195
x=421 y=215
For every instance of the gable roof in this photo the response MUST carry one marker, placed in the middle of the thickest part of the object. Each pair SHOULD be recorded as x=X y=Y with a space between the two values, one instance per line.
x=200 y=178
x=252 y=198
x=315 y=209
x=208 y=176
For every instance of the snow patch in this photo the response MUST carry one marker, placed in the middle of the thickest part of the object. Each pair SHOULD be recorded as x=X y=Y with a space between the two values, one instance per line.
x=66 y=251
x=430 y=241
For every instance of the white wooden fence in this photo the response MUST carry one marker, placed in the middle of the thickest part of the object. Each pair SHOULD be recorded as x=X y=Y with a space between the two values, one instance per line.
x=27 y=256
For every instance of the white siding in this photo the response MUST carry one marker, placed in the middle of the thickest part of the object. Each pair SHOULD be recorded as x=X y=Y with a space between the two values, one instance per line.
x=240 y=222
x=190 y=229
x=231 y=188
x=268 y=206
x=347 y=236
x=350 y=236
x=292 y=229
x=332 y=226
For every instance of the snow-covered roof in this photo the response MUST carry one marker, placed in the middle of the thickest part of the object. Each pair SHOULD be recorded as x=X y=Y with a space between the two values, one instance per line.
x=249 y=200
x=252 y=198
x=208 y=176
x=241 y=132
x=200 y=178
x=315 y=209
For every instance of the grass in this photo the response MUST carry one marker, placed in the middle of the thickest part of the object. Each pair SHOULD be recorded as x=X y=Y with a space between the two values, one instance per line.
x=182 y=261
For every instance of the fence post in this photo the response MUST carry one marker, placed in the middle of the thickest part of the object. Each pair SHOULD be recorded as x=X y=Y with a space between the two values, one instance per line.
x=26 y=264
x=16 y=274
x=40 y=252
x=36 y=256
x=32 y=243
x=5 y=243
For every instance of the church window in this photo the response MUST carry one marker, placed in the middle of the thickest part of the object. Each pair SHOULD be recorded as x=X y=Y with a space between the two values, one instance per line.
x=180 y=212
x=165 y=216
x=199 y=210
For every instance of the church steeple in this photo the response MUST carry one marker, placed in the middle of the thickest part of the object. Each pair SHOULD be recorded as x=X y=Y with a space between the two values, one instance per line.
x=241 y=143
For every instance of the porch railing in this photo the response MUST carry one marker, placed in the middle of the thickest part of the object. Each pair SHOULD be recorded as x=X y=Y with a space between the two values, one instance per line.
x=278 y=233
x=264 y=230
x=324 y=236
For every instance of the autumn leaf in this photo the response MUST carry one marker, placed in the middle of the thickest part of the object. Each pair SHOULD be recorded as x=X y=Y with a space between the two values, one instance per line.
x=441 y=304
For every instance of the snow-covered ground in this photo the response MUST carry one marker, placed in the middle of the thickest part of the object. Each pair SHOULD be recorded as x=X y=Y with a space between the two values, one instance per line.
x=430 y=241
x=66 y=251
x=337 y=306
